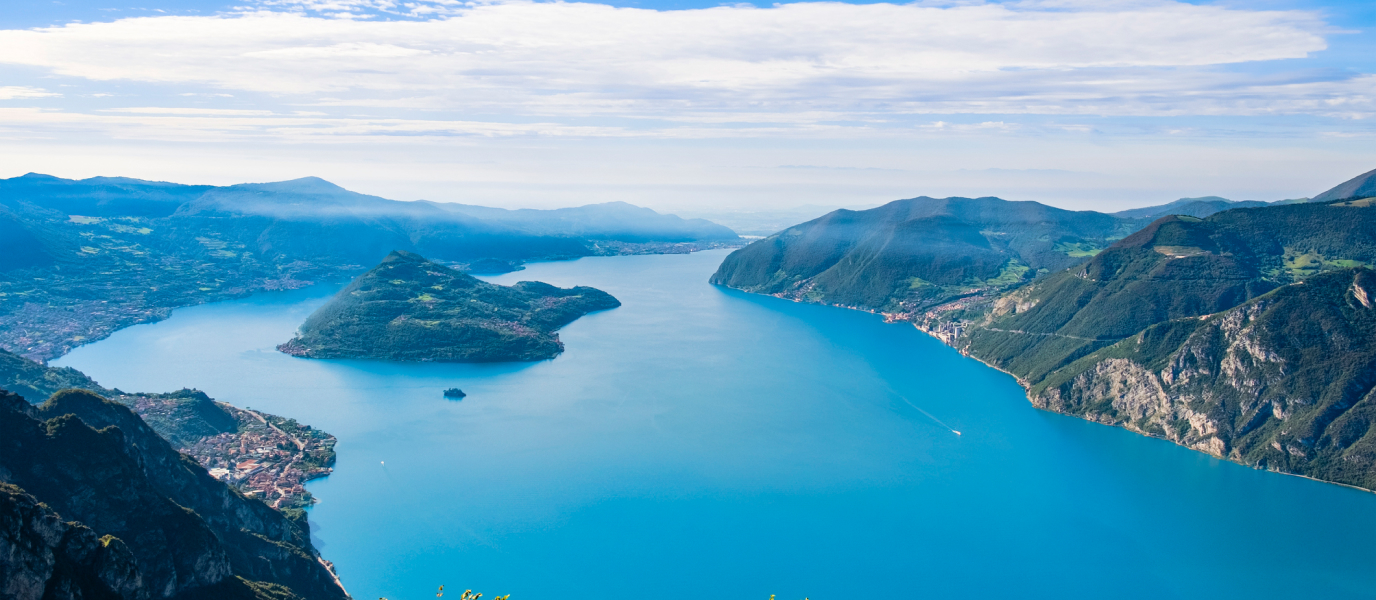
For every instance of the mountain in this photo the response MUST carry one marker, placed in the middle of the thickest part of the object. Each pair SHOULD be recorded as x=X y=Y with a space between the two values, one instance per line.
x=35 y=382
x=1361 y=186
x=918 y=252
x=213 y=433
x=1175 y=268
x=81 y=259
x=409 y=308
x=1192 y=207
x=166 y=528
x=608 y=221
x=1245 y=334
x=1281 y=382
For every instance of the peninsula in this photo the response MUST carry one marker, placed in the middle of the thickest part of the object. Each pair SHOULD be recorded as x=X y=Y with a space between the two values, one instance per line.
x=411 y=309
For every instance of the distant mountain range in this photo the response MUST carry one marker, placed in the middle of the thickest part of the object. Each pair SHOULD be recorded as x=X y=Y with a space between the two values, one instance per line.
x=1245 y=333
x=311 y=218
x=80 y=259
x=1197 y=207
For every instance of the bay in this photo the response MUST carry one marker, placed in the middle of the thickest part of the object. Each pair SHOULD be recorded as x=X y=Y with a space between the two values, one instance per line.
x=699 y=442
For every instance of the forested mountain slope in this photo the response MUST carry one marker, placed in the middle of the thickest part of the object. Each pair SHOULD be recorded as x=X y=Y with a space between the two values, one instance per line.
x=913 y=253
x=1245 y=334
x=409 y=308
x=81 y=259
x=1281 y=382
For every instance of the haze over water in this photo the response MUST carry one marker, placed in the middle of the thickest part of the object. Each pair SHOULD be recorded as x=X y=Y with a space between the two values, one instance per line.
x=699 y=442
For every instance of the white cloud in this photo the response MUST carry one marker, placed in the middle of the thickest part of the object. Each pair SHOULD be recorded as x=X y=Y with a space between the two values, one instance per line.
x=154 y=110
x=576 y=59
x=13 y=92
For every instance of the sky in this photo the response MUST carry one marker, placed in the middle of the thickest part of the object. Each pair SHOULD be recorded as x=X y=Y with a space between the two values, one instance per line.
x=690 y=105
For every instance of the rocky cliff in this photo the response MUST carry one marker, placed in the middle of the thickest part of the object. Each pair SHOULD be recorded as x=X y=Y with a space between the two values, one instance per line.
x=1246 y=334
x=95 y=464
x=1284 y=382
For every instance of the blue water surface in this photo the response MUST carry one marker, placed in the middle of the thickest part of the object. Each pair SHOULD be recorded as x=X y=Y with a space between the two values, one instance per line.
x=699 y=442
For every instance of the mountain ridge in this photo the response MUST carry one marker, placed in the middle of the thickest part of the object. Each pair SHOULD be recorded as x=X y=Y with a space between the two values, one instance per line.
x=1146 y=312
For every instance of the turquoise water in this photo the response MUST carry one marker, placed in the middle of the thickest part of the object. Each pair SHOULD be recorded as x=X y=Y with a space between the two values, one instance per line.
x=702 y=443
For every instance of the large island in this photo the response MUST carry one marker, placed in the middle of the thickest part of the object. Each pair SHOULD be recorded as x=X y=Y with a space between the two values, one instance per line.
x=411 y=309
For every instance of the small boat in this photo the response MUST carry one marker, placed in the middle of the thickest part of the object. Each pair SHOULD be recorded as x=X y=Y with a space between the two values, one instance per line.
x=454 y=393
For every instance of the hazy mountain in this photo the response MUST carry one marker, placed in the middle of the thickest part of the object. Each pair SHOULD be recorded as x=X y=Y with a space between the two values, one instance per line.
x=1193 y=207
x=81 y=259
x=766 y=221
x=1361 y=186
x=609 y=221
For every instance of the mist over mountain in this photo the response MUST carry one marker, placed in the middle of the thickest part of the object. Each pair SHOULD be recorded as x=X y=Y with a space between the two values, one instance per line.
x=1361 y=186
x=1192 y=207
x=80 y=259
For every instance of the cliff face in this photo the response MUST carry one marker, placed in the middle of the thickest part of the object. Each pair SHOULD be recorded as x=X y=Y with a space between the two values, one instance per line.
x=46 y=557
x=1285 y=382
x=97 y=464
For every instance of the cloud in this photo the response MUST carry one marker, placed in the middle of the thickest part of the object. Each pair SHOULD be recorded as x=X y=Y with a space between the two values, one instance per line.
x=579 y=59
x=11 y=92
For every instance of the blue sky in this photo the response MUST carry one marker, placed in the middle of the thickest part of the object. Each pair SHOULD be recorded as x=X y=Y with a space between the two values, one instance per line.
x=695 y=105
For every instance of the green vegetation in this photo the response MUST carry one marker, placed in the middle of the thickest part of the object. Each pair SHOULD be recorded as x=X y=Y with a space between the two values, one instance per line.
x=1302 y=264
x=1283 y=381
x=908 y=255
x=149 y=521
x=81 y=259
x=35 y=382
x=1245 y=333
x=1078 y=249
x=409 y=308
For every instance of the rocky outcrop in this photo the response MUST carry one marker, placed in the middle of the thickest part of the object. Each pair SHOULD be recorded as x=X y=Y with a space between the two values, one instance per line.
x=94 y=462
x=1285 y=382
x=46 y=557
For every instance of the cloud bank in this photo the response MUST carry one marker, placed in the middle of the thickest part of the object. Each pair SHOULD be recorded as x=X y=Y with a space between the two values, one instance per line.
x=812 y=62
x=516 y=102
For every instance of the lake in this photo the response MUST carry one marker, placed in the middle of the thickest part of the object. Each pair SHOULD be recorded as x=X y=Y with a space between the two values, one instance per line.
x=700 y=442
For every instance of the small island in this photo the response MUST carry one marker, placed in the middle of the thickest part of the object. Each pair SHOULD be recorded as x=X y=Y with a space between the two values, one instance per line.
x=454 y=393
x=411 y=309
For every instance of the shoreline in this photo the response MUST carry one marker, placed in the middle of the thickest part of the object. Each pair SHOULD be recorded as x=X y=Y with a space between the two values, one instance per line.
x=1035 y=407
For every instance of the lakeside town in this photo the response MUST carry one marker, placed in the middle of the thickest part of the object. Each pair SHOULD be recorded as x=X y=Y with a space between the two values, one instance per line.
x=262 y=455
x=269 y=457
